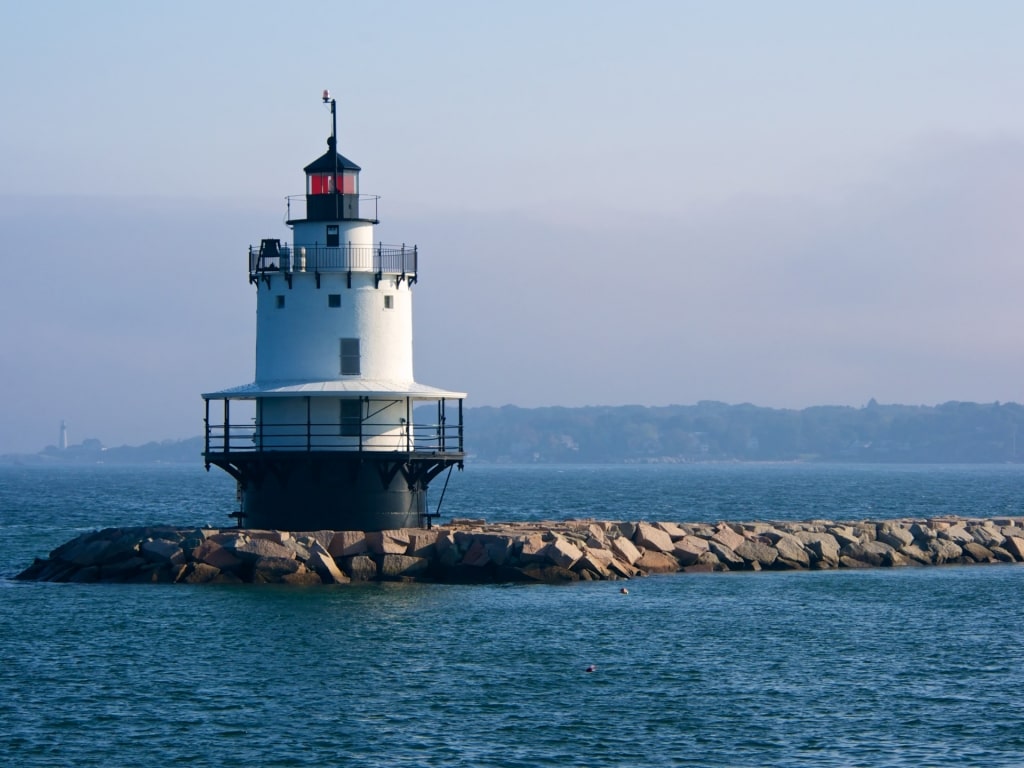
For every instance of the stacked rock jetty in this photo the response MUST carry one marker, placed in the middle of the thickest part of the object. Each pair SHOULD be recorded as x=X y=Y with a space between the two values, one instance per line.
x=474 y=551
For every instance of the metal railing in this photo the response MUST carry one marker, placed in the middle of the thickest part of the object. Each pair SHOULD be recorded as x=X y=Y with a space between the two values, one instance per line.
x=250 y=438
x=270 y=256
x=355 y=206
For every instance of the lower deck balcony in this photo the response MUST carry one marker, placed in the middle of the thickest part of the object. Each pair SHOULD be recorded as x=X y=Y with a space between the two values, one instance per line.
x=370 y=427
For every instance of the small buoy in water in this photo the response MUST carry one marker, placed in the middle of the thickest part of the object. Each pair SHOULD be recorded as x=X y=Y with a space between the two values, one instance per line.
x=623 y=591
x=592 y=668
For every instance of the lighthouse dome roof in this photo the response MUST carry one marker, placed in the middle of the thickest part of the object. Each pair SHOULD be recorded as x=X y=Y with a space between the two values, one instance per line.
x=325 y=163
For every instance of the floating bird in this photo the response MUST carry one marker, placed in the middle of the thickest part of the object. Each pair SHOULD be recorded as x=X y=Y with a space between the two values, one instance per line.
x=592 y=668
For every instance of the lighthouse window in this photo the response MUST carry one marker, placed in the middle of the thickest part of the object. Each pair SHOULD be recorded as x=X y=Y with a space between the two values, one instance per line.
x=351 y=415
x=334 y=300
x=332 y=236
x=350 y=357
x=389 y=301
x=279 y=302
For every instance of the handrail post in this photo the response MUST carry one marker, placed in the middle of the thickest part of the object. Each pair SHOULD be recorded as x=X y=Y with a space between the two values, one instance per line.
x=360 y=423
x=440 y=425
x=259 y=419
x=227 y=425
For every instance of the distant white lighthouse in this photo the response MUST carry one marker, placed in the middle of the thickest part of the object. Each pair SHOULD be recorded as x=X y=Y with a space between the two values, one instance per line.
x=63 y=444
x=334 y=433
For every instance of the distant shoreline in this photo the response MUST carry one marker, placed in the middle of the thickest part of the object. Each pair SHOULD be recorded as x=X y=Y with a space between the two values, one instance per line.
x=950 y=433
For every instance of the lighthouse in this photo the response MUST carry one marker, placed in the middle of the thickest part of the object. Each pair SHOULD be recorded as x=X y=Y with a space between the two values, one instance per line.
x=334 y=432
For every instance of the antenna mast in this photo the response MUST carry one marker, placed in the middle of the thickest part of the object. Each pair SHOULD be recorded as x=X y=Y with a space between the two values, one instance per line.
x=334 y=148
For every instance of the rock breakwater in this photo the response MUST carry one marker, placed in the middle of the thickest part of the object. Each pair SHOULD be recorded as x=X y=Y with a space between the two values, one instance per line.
x=474 y=551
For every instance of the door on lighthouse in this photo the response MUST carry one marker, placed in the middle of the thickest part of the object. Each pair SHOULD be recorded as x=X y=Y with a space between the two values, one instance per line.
x=332 y=236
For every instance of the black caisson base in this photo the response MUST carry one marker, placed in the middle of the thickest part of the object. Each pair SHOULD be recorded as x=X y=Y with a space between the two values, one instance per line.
x=334 y=491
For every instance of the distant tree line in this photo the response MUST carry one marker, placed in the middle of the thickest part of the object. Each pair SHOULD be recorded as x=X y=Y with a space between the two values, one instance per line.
x=92 y=451
x=953 y=432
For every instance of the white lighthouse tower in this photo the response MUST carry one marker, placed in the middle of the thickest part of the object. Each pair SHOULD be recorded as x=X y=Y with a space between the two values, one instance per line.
x=334 y=433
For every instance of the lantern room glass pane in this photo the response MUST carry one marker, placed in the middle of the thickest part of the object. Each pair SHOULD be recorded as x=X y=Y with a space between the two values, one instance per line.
x=324 y=183
x=320 y=184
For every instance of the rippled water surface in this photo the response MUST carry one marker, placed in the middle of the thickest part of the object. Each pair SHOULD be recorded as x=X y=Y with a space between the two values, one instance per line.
x=905 y=667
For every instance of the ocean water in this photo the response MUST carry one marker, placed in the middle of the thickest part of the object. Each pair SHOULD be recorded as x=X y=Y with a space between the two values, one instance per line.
x=901 y=667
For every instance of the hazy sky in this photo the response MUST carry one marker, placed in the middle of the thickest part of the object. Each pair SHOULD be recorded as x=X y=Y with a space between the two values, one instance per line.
x=783 y=203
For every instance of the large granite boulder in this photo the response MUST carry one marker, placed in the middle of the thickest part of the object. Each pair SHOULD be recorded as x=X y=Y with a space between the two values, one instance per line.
x=252 y=550
x=360 y=567
x=391 y=542
x=917 y=554
x=649 y=537
x=1015 y=546
x=476 y=556
x=688 y=550
x=845 y=535
x=727 y=536
x=200 y=573
x=624 y=549
x=272 y=570
x=945 y=551
x=957 y=533
x=534 y=548
x=726 y=556
x=212 y=553
x=447 y=550
x=162 y=551
x=672 y=529
x=323 y=538
x=876 y=553
x=653 y=561
x=895 y=535
x=348 y=544
x=791 y=551
x=987 y=534
x=757 y=552
x=86 y=551
x=708 y=561
x=923 y=533
x=562 y=552
x=422 y=543
x=978 y=553
x=1002 y=555
x=822 y=546
x=321 y=563
x=394 y=566
x=123 y=570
